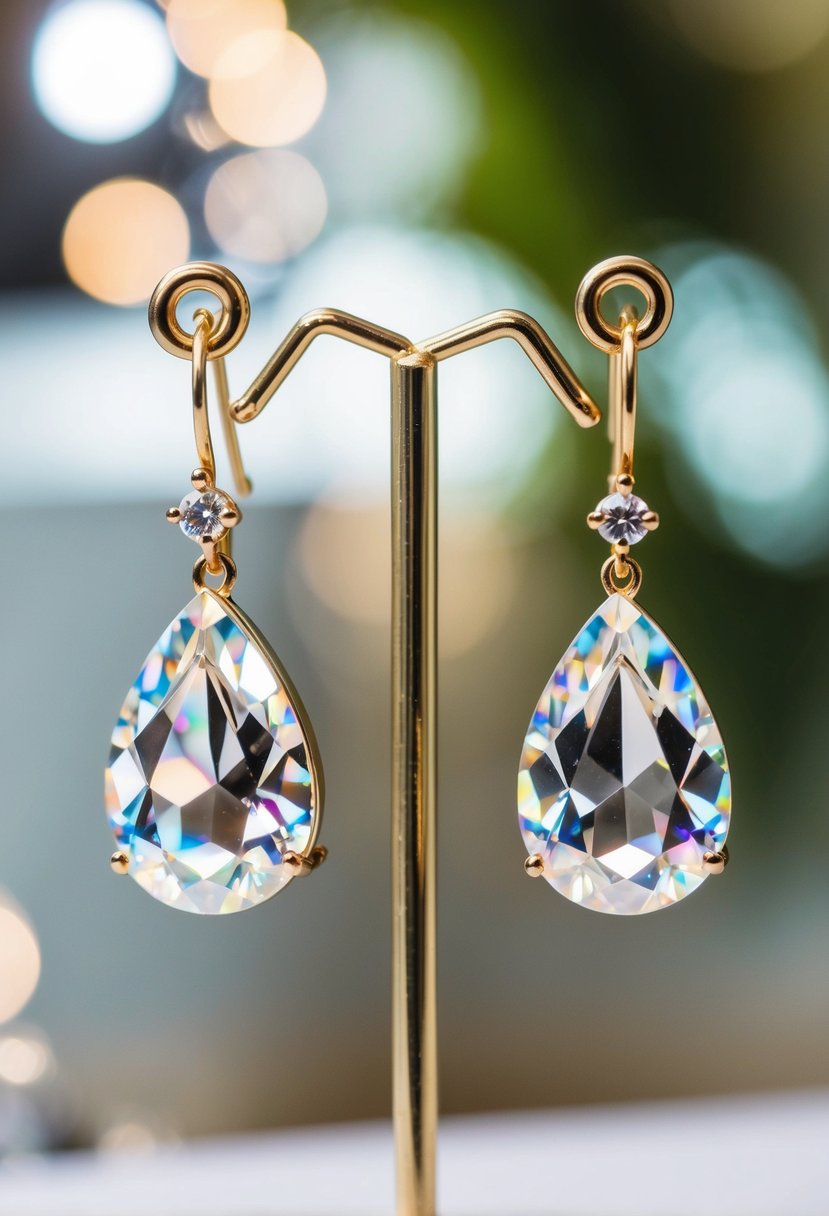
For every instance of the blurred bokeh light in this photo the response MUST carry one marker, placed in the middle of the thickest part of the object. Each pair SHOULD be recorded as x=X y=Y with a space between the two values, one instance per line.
x=267 y=88
x=265 y=206
x=407 y=123
x=19 y=959
x=25 y=1056
x=761 y=393
x=202 y=30
x=476 y=553
x=751 y=35
x=102 y=70
x=121 y=237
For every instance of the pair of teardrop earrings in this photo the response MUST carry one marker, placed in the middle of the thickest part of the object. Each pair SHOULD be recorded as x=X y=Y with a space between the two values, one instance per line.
x=214 y=787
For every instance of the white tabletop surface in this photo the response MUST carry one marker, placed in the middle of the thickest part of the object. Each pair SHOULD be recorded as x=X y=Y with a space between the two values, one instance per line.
x=765 y=1155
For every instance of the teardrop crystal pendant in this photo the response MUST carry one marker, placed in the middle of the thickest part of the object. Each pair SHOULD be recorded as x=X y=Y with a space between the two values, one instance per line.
x=623 y=787
x=213 y=774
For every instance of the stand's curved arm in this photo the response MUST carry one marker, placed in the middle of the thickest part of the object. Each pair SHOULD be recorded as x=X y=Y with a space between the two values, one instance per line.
x=537 y=345
x=506 y=323
x=290 y=351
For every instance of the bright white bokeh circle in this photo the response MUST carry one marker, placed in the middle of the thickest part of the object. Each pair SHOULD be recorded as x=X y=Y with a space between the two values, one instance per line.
x=102 y=70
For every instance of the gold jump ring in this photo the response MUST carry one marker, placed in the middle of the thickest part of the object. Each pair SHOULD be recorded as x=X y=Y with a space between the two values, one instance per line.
x=220 y=282
x=625 y=271
x=611 y=583
x=228 y=569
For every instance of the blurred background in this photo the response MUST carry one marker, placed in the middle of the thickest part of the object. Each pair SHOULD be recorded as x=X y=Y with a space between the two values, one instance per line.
x=418 y=164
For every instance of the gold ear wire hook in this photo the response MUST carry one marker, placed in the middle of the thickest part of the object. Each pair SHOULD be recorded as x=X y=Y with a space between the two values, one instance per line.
x=204 y=445
x=201 y=421
x=622 y=343
x=622 y=391
x=217 y=337
x=622 y=517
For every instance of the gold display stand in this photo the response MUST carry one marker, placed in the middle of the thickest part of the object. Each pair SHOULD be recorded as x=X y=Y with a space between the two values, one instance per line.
x=414 y=492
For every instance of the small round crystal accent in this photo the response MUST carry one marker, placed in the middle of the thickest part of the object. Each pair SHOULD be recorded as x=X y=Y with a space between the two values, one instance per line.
x=201 y=514
x=623 y=518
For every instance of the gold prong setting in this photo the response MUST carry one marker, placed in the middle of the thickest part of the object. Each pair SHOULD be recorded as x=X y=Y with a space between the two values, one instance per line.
x=205 y=515
x=715 y=862
x=119 y=863
x=622 y=518
x=534 y=865
x=304 y=864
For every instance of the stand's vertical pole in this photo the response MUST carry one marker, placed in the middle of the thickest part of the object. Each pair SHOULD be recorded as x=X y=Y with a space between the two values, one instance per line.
x=414 y=679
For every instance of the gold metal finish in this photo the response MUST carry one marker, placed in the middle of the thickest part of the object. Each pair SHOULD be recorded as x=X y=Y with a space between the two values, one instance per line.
x=624 y=271
x=120 y=863
x=614 y=572
x=305 y=863
x=201 y=421
x=313 y=325
x=414 y=774
x=534 y=865
x=622 y=343
x=623 y=382
x=537 y=346
x=414 y=652
x=204 y=476
x=227 y=569
x=715 y=863
x=199 y=276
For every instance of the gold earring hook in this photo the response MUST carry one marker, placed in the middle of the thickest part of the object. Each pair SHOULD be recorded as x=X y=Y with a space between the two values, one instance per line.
x=622 y=517
x=622 y=393
x=213 y=338
x=622 y=343
x=201 y=420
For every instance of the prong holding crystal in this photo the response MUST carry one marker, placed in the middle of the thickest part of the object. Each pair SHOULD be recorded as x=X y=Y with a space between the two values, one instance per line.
x=303 y=864
x=173 y=515
x=120 y=863
x=715 y=863
x=205 y=516
x=201 y=479
x=534 y=865
x=650 y=520
x=619 y=518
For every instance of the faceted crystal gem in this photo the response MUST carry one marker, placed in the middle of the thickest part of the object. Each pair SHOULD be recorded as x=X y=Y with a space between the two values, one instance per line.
x=623 y=785
x=623 y=518
x=210 y=779
x=201 y=514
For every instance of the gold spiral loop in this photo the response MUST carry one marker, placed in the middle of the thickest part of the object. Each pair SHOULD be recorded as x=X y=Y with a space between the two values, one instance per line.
x=228 y=330
x=201 y=569
x=612 y=582
x=625 y=271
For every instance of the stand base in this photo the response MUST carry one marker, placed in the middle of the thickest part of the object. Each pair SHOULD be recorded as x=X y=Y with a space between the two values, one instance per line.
x=761 y=1155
